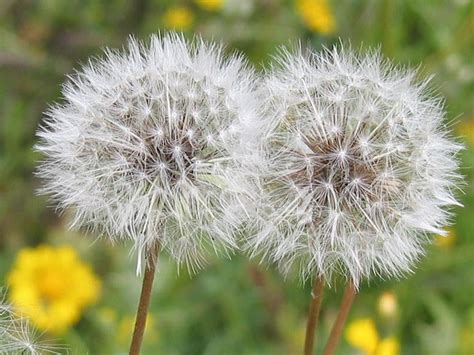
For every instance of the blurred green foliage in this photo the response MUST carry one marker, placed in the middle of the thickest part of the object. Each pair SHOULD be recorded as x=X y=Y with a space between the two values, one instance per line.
x=234 y=306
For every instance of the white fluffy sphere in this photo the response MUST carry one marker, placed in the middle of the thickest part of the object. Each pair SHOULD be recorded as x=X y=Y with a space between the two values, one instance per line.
x=17 y=334
x=144 y=145
x=356 y=166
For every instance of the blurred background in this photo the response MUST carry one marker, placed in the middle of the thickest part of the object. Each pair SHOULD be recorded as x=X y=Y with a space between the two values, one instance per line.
x=236 y=306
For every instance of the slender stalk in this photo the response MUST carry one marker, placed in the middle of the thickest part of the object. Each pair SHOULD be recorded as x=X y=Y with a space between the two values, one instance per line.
x=142 y=311
x=336 y=331
x=313 y=314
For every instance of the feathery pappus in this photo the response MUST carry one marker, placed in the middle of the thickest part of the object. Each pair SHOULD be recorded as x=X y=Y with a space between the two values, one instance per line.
x=356 y=165
x=145 y=146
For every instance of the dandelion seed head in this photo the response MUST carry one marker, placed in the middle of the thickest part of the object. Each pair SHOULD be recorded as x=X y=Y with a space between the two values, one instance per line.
x=356 y=166
x=18 y=336
x=122 y=148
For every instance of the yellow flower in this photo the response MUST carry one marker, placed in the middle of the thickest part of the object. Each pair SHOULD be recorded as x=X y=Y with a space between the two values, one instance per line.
x=210 y=5
x=388 y=346
x=387 y=304
x=52 y=286
x=178 y=17
x=316 y=15
x=362 y=334
x=446 y=242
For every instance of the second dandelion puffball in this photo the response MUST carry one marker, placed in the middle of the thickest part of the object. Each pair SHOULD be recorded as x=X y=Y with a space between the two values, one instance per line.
x=355 y=163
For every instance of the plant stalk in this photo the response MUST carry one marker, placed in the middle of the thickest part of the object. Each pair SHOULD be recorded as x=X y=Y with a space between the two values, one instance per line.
x=336 y=331
x=313 y=314
x=145 y=296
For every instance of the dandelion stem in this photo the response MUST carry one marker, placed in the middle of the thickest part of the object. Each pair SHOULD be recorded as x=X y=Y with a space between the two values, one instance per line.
x=145 y=296
x=313 y=314
x=336 y=331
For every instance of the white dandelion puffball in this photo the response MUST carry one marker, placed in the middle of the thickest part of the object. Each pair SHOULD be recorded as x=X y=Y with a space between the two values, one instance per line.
x=356 y=166
x=18 y=336
x=145 y=145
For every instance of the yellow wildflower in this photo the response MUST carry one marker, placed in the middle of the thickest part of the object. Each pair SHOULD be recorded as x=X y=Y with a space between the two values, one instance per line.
x=387 y=304
x=52 y=286
x=178 y=17
x=316 y=15
x=446 y=242
x=362 y=334
x=388 y=346
x=209 y=5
